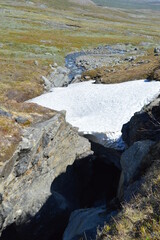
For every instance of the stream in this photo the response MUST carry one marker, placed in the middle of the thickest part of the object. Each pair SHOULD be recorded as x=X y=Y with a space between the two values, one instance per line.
x=77 y=69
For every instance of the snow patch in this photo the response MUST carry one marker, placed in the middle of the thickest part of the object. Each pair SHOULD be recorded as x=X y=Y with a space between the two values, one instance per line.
x=100 y=110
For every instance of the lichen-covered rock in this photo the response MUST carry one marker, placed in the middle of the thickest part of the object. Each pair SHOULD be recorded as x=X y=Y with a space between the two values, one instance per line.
x=43 y=154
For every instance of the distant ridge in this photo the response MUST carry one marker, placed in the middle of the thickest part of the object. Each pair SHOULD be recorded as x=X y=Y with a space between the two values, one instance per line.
x=83 y=2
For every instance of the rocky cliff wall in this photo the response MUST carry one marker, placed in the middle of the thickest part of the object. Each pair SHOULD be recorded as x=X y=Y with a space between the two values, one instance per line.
x=25 y=189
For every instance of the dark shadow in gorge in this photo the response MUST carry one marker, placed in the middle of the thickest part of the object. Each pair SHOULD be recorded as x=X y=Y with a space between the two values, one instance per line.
x=87 y=183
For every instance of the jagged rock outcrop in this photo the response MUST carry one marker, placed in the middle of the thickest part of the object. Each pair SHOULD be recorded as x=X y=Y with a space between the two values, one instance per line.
x=143 y=125
x=141 y=134
x=28 y=206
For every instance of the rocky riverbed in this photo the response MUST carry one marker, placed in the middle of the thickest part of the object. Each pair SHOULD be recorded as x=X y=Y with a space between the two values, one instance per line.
x=78 y=62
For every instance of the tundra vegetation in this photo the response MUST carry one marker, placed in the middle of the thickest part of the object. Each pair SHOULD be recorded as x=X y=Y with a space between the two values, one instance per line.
x=35 y=34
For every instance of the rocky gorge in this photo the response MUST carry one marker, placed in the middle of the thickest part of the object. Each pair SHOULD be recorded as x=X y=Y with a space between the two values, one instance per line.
x=58 y=184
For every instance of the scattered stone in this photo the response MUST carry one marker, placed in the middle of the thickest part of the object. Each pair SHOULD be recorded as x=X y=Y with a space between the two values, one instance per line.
x=62 y=70
x=145 y=44
x=47 y=83
x=129 y=59
x=5 y=114
x=87 y=77
x=59 y=77
x=49 y=54
x=36 y=63
x=76 y=79
x=157 y=50
x=51 y=66
x=21 y=120
x=55 y=65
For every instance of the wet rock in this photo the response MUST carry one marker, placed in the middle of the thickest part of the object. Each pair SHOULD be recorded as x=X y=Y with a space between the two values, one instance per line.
x=83 y=223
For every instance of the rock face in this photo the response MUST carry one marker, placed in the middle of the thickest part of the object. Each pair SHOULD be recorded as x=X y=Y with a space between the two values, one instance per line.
x=141 y=134
x=133 y=161
x=27 y=200
x=83 y=223
x=143 y=125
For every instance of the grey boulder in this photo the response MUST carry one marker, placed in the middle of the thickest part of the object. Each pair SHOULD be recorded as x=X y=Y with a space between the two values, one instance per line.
x=83 y=223
x=133 y=161
x=157 y=50
x=59 y=77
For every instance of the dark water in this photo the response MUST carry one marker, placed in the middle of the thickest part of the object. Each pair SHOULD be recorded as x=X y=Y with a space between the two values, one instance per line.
x=70 y=63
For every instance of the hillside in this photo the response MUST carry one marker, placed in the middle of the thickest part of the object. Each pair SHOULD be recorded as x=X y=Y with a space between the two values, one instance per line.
x=50 y=170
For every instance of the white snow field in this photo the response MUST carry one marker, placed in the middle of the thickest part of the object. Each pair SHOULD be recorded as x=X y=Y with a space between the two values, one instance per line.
x=100 y=110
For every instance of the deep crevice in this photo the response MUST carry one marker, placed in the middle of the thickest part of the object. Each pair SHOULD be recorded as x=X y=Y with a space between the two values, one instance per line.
x=89 y=182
